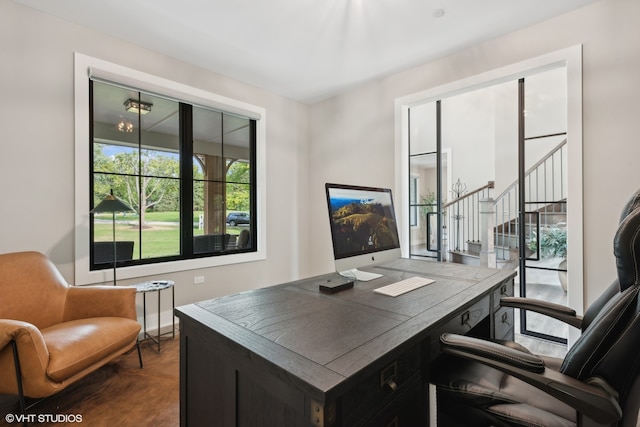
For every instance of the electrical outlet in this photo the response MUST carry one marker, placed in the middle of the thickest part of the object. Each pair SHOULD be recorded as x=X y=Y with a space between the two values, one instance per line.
x=198 y=280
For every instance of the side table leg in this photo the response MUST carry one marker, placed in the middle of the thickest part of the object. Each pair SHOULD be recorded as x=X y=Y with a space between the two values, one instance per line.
x=144 y=314
x=173 y=317
x=159 y=292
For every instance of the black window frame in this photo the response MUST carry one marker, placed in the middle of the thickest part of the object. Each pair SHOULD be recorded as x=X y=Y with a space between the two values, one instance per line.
x=186 y=179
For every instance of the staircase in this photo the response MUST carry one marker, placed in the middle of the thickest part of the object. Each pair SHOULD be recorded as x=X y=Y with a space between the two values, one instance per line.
x=545 y=207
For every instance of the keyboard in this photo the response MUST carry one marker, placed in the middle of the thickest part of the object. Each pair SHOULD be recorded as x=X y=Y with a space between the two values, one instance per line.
x=403 y=286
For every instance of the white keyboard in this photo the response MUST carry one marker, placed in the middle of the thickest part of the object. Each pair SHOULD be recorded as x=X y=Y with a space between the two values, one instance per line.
x=403 y=286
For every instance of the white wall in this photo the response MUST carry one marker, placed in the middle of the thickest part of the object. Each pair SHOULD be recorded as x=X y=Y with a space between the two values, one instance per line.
x=468 y=130
x=359 y=124
x=351 y=142
x=37 y=150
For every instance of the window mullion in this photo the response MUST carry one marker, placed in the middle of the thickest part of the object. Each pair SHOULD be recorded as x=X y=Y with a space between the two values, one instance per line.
x=186 y=179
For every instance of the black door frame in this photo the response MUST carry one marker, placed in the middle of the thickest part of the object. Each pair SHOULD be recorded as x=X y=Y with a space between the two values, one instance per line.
x=522 y=214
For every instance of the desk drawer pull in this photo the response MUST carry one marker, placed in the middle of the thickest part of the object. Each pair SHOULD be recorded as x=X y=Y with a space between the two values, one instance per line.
x=465 y=317
x=388 y=376
x=392 y=384
x=504 y=290
x=505 y=317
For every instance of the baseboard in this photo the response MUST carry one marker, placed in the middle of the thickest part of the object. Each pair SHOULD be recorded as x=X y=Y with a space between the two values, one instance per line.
x=164 y=330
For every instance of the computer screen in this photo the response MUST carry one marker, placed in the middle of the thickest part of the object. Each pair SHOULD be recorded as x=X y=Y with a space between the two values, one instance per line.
x=363 y=227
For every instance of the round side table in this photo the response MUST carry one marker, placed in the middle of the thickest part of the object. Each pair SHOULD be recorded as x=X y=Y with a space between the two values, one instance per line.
x=156 y=286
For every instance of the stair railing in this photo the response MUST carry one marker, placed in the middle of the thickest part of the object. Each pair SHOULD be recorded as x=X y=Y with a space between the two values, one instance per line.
x=462 y=218
x=543 y=182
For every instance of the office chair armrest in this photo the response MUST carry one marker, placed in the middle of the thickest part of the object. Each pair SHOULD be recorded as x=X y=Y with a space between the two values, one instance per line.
x=590 y=400
x=481 y=348
x=556 y=311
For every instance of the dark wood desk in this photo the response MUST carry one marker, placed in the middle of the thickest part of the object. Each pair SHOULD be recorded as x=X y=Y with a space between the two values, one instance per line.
x=289 y=355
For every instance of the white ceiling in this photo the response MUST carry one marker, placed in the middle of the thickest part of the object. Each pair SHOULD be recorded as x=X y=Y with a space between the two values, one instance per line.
x=307 y=50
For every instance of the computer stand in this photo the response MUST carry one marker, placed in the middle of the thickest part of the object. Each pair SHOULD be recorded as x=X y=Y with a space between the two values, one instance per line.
x=361 y=276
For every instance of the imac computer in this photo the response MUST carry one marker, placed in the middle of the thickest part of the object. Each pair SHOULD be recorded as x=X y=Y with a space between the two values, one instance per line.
x=363 y=228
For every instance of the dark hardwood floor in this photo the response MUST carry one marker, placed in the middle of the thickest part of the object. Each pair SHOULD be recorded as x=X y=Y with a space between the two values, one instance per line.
x=118 y=394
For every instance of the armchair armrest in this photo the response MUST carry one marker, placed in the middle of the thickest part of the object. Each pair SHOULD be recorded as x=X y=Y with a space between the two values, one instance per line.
x=34 y=355
x=589 y=400
x=100 y=301
x=556 y=311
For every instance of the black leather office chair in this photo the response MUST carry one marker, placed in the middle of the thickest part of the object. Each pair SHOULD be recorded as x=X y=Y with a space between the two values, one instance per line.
x=567 y=314
x=481 y=383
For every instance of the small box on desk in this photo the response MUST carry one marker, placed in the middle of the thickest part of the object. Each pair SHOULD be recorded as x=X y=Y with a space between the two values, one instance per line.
x=336 y=284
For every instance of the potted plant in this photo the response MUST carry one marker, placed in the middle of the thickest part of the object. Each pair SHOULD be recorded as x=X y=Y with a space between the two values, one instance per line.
x=553 y=244
x=428 y=206
x=428 y=202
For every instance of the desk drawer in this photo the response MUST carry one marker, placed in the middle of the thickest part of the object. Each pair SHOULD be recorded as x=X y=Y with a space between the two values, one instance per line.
x=504 y=290
x=407 y=409
x=504 y=323
x=387 y=384
x=462 y=323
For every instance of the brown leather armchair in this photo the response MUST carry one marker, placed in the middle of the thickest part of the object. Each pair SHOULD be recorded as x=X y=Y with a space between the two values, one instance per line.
x=53 y=334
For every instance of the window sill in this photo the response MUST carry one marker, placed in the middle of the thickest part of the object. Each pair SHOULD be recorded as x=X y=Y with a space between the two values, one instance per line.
x=86 y=277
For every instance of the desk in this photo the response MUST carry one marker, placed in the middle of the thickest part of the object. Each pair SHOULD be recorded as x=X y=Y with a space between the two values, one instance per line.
x=289 y=355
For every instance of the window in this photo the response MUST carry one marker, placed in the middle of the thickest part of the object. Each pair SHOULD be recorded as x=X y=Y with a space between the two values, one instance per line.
x=182 y=152
x=185 y=170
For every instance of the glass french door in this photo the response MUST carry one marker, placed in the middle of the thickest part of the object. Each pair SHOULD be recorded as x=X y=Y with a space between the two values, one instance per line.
x=427 y=173
x=543 y=198
x=527 y=160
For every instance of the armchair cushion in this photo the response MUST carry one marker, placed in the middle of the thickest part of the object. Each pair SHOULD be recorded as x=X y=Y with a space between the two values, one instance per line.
x=79 y=344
